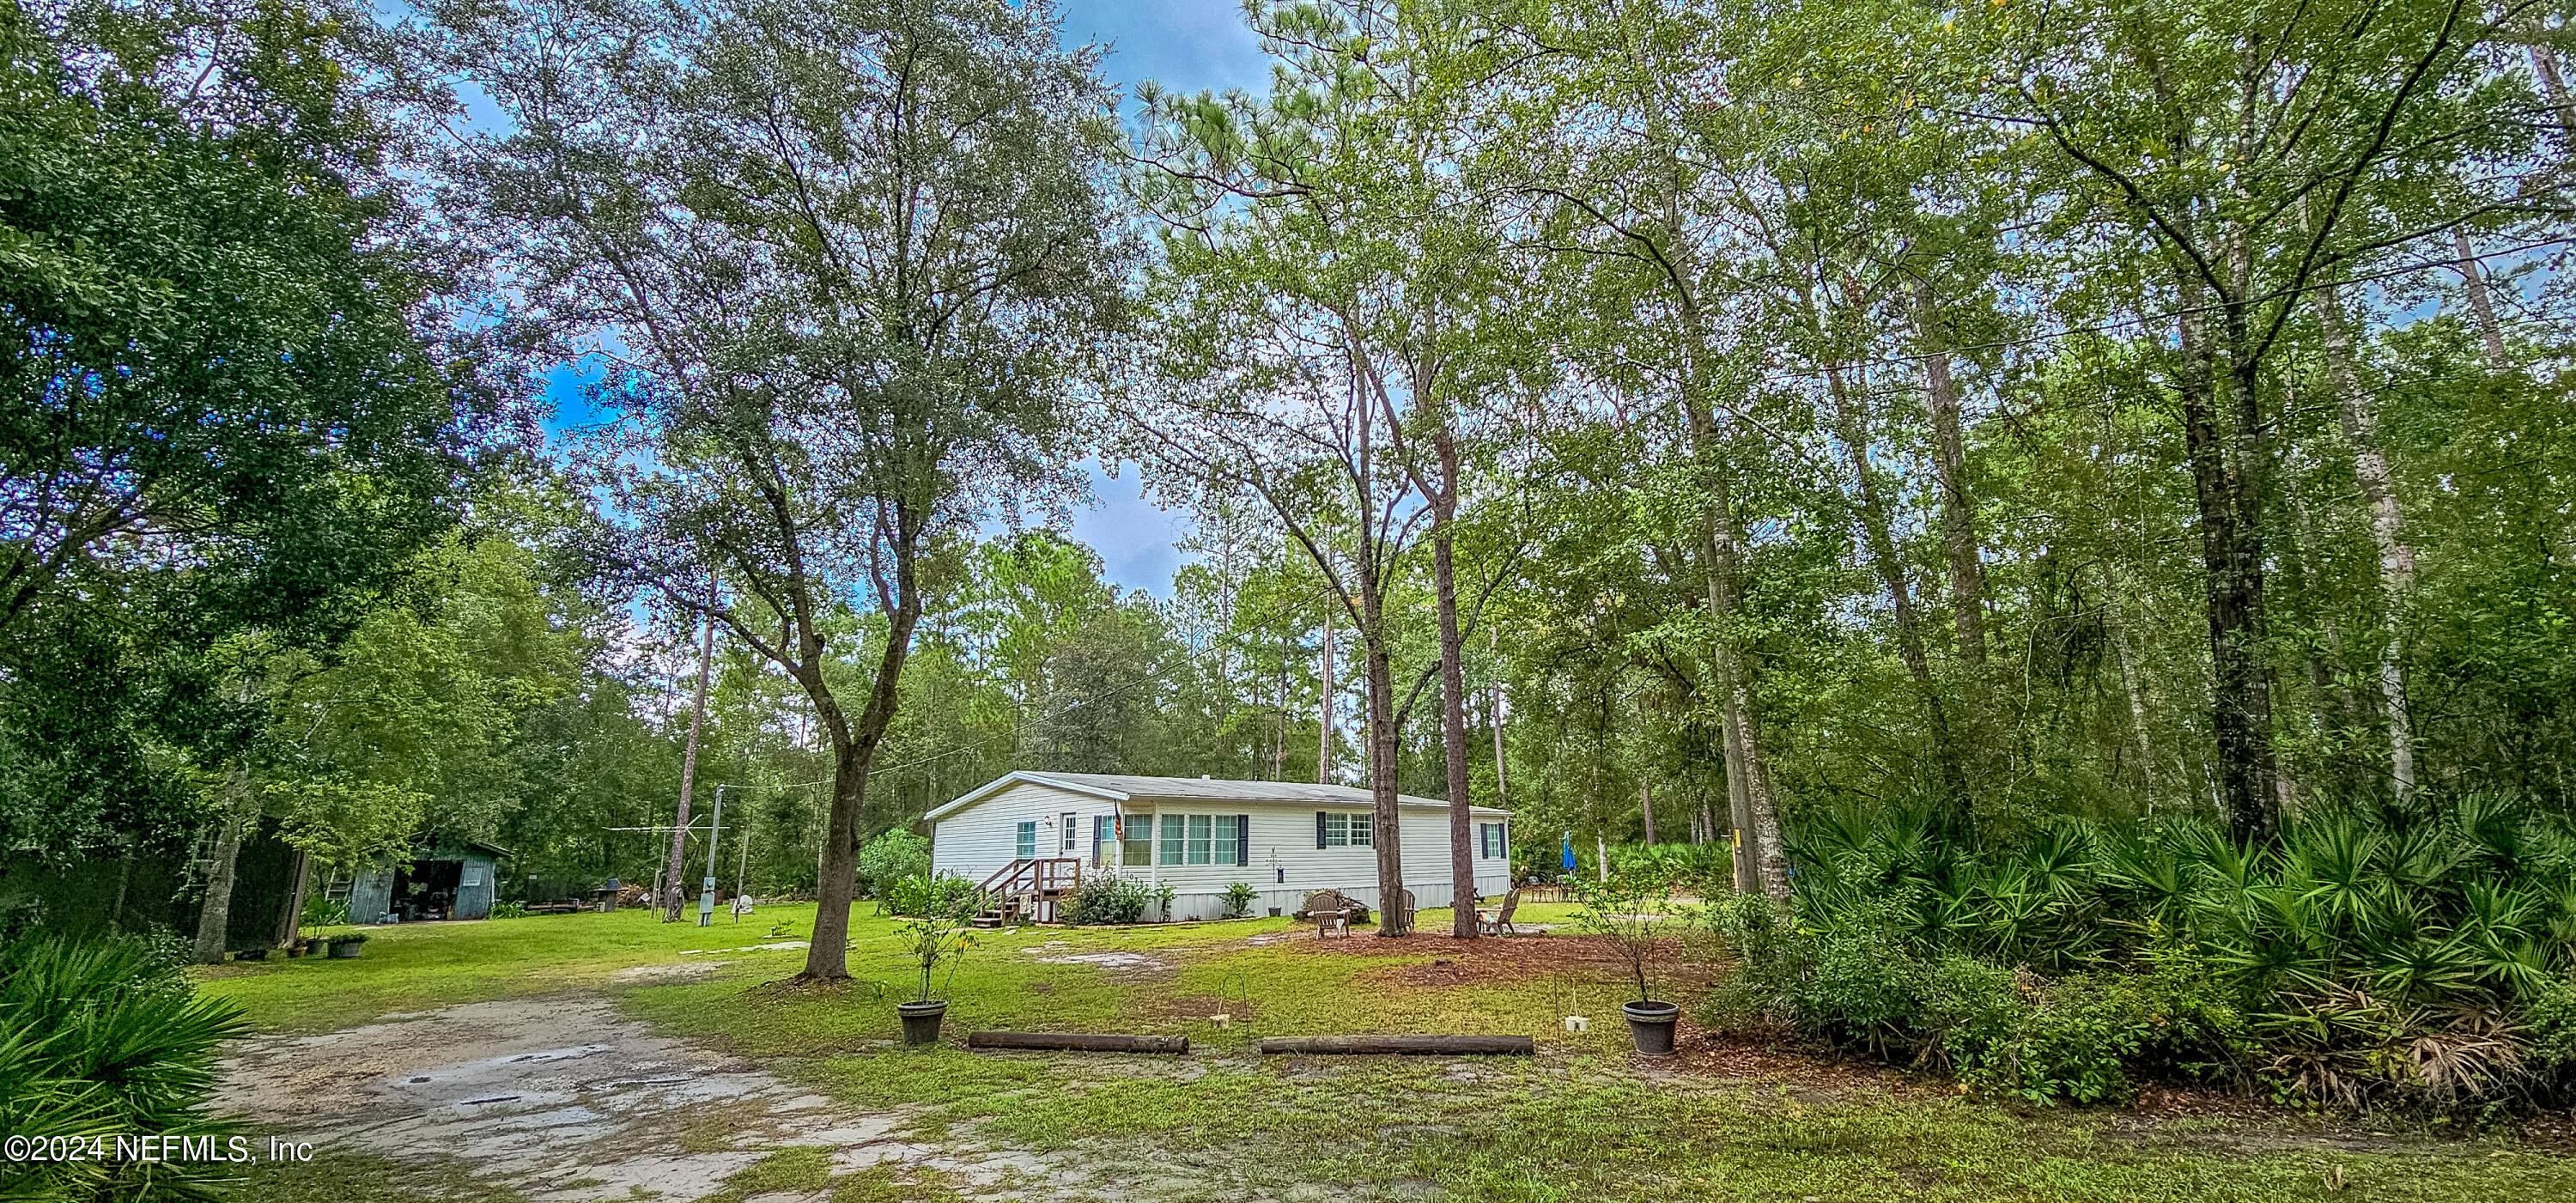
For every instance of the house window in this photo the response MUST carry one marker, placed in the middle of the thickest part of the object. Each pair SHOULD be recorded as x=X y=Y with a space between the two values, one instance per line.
x=1104 y=832
x=1489 y=841
x=1230 y=837
x=1069 y=823
x=1136 y=841
x=1027 y=844
x=1334 y=830
x=1202 y=830
x=1172 y=840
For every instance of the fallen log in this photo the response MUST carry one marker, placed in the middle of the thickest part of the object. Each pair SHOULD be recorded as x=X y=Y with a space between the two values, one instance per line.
x=1086 y=1042
x=1426 y=1046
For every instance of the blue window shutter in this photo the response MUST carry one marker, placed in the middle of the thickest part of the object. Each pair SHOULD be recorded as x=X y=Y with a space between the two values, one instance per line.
x=1319 y=829
x=1243 y=839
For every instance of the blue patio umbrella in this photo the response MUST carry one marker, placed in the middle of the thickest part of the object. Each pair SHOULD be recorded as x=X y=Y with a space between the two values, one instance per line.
x=1569 y=852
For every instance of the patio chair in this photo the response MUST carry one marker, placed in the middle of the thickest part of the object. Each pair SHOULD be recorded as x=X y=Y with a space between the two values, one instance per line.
x=1330 y=912
x=1499 y=922
x=1402 y=912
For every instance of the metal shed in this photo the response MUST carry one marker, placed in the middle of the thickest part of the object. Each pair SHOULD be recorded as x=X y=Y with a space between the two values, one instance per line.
x=445 y=879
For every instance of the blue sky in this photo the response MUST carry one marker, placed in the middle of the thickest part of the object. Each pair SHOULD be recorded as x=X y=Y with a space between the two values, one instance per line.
x=1187 y=45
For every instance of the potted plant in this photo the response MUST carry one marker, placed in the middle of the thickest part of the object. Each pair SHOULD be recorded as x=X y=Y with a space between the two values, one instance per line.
x=1631 y=908
x=939 y=937
x=344 y=946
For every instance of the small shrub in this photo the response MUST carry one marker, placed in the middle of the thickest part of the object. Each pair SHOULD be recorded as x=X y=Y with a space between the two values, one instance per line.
x=509 y=910
x=1239 y=898
x=1632 y=908
x=896 y=856
x=1107 y=898
x=2549 y=1026
x=323 y=912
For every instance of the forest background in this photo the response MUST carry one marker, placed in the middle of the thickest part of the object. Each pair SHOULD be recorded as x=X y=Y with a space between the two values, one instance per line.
x=1787 y=409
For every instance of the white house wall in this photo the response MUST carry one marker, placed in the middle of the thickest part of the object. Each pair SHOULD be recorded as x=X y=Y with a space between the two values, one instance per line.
x=1284 y=863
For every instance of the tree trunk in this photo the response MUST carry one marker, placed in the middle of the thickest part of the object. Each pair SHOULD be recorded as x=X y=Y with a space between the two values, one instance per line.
x=672 y=890
x=214 y=919
x=2544 y=63
x=293 y=920
x=1877 y=535
x=1453 y=704
x=1949 y=463
x=854 y=755
x=1646 y=809
x=2360 y=421
x=2228 y=495
x=1388 y=834
x=1324 y=721
x=1764 y=866
x=1502 y=795
x=2481 y=305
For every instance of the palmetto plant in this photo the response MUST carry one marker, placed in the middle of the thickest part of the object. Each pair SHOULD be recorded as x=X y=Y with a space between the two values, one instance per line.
x=2369 y=947
x=101 y=1038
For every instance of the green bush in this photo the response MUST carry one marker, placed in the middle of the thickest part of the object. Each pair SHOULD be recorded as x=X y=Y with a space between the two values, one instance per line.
x=898 y=855
x=946 y=896
x=322 y=912
x=509 y=910
x=1701 y=870
x=101 y=1038
x=1107 y=898
x=1239 y=897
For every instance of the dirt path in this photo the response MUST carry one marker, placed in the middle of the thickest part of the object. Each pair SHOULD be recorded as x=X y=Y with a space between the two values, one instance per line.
x=562 y=1100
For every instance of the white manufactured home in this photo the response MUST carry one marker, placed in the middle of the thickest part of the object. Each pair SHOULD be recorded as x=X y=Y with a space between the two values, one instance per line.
x=1285 y=839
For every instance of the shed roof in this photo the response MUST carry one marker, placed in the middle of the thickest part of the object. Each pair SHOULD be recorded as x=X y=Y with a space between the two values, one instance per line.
x=1122 y=787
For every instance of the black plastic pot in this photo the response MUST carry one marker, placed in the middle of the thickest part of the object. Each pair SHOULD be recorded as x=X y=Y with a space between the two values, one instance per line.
x=346 y=947
x=1650 y=1024
x=921 y=1021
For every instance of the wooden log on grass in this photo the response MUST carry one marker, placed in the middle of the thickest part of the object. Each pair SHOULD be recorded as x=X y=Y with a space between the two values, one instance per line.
x=1084 y=1042
x=1422 y=1046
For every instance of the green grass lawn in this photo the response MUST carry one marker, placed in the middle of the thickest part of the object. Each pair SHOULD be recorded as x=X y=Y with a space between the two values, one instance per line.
x=1578 y=1122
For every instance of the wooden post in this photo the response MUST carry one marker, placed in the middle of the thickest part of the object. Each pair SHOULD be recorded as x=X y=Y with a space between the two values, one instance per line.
x=1415 y=1046
x=1084 y=1042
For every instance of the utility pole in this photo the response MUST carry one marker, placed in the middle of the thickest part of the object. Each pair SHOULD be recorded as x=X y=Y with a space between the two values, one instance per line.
x=689 y=767
x=742 y=873
x=715 y=841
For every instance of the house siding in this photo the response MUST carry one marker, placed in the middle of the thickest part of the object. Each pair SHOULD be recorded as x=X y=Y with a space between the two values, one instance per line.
x=1282 y=862
x=976 y=842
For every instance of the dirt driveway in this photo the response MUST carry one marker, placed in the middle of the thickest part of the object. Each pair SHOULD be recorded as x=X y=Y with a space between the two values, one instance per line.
x=561 y=1099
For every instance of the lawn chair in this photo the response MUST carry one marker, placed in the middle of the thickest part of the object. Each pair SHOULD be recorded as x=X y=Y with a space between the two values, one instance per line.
x=1401 y=914
x=1330 y=912
x=1499 y=922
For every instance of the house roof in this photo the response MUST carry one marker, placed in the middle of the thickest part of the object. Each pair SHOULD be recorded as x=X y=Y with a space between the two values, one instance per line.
x=1121 y=787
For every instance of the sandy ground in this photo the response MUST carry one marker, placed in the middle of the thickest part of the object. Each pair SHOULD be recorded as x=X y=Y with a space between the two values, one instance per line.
x=562 y=1100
